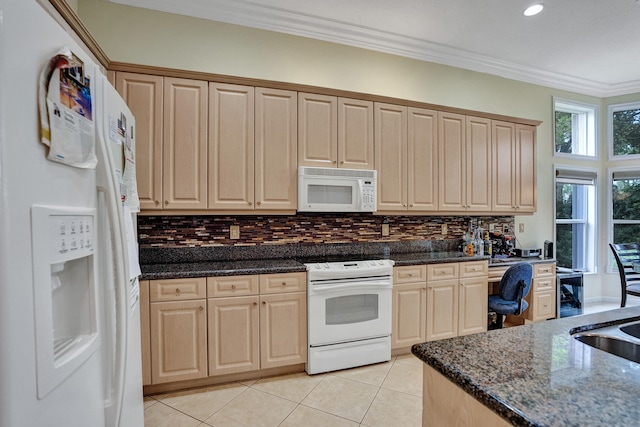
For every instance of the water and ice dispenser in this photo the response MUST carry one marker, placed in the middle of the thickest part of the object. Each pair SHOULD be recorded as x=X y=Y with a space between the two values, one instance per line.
x=66 y=310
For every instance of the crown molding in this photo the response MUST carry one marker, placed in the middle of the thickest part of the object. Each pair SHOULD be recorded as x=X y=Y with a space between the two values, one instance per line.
x=255 y=15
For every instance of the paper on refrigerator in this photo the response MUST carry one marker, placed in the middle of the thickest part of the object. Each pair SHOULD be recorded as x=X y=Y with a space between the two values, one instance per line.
x=67 y=124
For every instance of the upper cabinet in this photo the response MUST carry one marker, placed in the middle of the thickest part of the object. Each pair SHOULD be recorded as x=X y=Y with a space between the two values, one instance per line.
x=514 y=168
x=143 y=94
x=184 y=153
x=334 y=132
x=231 y=146
x=227 y=148
x=464 y=144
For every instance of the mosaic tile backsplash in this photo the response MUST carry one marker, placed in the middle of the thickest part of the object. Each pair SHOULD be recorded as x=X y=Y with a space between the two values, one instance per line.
x=205 y=230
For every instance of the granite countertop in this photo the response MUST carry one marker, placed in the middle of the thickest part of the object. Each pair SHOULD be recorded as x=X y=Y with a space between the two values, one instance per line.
x=538 y=375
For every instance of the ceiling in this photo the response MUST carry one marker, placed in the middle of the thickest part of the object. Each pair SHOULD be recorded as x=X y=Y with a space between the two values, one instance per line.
x=586 y=46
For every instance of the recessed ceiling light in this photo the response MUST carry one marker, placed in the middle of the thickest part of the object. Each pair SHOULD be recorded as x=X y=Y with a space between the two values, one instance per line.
x=534 y=9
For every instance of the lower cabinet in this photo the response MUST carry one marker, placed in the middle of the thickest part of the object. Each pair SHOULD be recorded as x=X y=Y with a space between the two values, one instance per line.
x=456 y=299
x=178 y=330
x=222 y=325
x=409 y=299
x=542 y=297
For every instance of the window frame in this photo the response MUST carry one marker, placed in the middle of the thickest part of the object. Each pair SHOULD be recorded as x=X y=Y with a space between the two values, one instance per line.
x=611 y=263
x=590 y=114
x=580 y=174
x=610 y=110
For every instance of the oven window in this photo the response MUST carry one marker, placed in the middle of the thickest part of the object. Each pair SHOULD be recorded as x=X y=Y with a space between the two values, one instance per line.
x=335 y=194
x=351 y=309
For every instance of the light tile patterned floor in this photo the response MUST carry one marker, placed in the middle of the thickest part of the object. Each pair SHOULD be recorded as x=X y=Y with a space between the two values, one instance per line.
x=381 y=395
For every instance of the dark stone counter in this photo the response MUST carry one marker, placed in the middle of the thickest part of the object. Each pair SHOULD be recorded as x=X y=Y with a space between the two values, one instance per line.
x=538 y=375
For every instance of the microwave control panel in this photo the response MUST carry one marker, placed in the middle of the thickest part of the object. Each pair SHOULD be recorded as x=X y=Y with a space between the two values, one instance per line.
x=368 y=196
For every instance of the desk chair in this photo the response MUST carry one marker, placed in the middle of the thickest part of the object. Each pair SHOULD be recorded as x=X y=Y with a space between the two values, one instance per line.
x=626 y=255
x=514 y=286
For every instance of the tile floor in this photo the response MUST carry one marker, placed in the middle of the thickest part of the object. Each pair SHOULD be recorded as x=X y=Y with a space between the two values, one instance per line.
x=381 y=395
x=385 y=394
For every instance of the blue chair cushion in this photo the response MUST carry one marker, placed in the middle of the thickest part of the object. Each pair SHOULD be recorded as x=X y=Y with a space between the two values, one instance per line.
x=503 y=306
x=509 y=283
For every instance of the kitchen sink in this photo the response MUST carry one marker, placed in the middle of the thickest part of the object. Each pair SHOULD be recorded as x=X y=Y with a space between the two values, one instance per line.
x=620 y=340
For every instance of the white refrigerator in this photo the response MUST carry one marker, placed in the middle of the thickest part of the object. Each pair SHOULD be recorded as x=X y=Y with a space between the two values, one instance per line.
x=69 y=294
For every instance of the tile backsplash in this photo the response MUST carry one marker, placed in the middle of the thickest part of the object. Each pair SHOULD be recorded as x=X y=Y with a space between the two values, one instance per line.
x=206 y=230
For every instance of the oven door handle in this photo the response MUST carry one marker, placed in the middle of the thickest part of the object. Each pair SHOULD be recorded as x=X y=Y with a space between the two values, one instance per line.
x=354 y=286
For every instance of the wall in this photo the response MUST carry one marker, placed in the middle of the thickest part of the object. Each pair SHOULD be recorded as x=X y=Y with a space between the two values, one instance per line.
x=158 y=39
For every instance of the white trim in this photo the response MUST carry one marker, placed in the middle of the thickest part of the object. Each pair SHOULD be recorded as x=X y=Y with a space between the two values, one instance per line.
x=255 y=15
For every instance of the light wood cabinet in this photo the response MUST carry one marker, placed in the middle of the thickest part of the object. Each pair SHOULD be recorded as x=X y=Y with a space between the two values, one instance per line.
x=231 y=146
x=514 y=171
x=335 y=132
x=456 y=299
x=283 y=329
x=464 y=147
x=542 y=297
x=178 y=331
x=233 y=327
x=276 y=141
x=144 y=96
x=391 y=156
x=409 y=298
x=184 y=155
x=422 y=160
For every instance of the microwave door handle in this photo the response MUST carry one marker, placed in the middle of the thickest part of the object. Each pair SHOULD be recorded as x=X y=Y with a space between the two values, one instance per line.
x=359 y=196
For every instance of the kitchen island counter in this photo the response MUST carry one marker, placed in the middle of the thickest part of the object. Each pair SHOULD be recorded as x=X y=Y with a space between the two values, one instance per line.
x=538 y=375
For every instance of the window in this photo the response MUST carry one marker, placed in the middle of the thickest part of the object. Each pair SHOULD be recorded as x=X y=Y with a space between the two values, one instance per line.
x=624 y=130
x=625 y=206
x=575 y=212
x=574 y=128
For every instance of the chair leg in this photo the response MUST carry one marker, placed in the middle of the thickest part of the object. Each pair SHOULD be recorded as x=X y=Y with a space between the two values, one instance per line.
x=499 y=320
x=623 y=300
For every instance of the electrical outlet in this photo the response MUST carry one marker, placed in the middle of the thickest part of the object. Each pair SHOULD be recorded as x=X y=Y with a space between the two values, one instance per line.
x=492 y=227
x=443 y=231
x=385 y=230
x=234 y=232
x=521 y=227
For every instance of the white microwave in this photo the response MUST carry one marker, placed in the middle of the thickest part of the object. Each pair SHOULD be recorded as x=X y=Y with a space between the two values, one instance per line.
x=336 y=190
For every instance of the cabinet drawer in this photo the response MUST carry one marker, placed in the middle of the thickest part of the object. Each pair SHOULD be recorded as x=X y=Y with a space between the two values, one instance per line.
x=229 y=286
x=177 y=289
x=409 y=274
x=286 y=282
x=442 y=271
x=495 y=273
x=540 y=270
x=544 y=284
x=474 y=269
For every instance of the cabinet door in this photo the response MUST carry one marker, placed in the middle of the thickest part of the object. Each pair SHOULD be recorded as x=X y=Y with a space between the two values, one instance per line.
x=503 y=185
x=422 y=160
x=526 y=168
x=317 y=130
x=144 y=96
x=543 y=306
x=451 y=153
x=473 y=305
x=355 y=134
x=276 y=144
x=283 y=329
x=178 y=341
x=391 y=156
x=408 y=314
x=442 y=309
x=231 y=146
x=233 y=335
x=184 y=172
x=478 y=164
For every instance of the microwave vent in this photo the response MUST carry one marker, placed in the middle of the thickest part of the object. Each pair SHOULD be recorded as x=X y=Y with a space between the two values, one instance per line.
x=355 y=173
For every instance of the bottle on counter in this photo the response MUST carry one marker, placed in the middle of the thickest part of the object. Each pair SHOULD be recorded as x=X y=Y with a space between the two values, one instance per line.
x=488 y=246
x=478 y=244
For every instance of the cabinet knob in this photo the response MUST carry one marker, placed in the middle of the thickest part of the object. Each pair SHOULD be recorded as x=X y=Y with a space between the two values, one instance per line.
x=411 y=205
x=156 y=202
x=284 y=283
x=258 y=203
x=177 y=291
x=166 y=202
x=201 y=308
x=334 y=161
x=233 y=286
x=342 y=162
x=250 y=203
